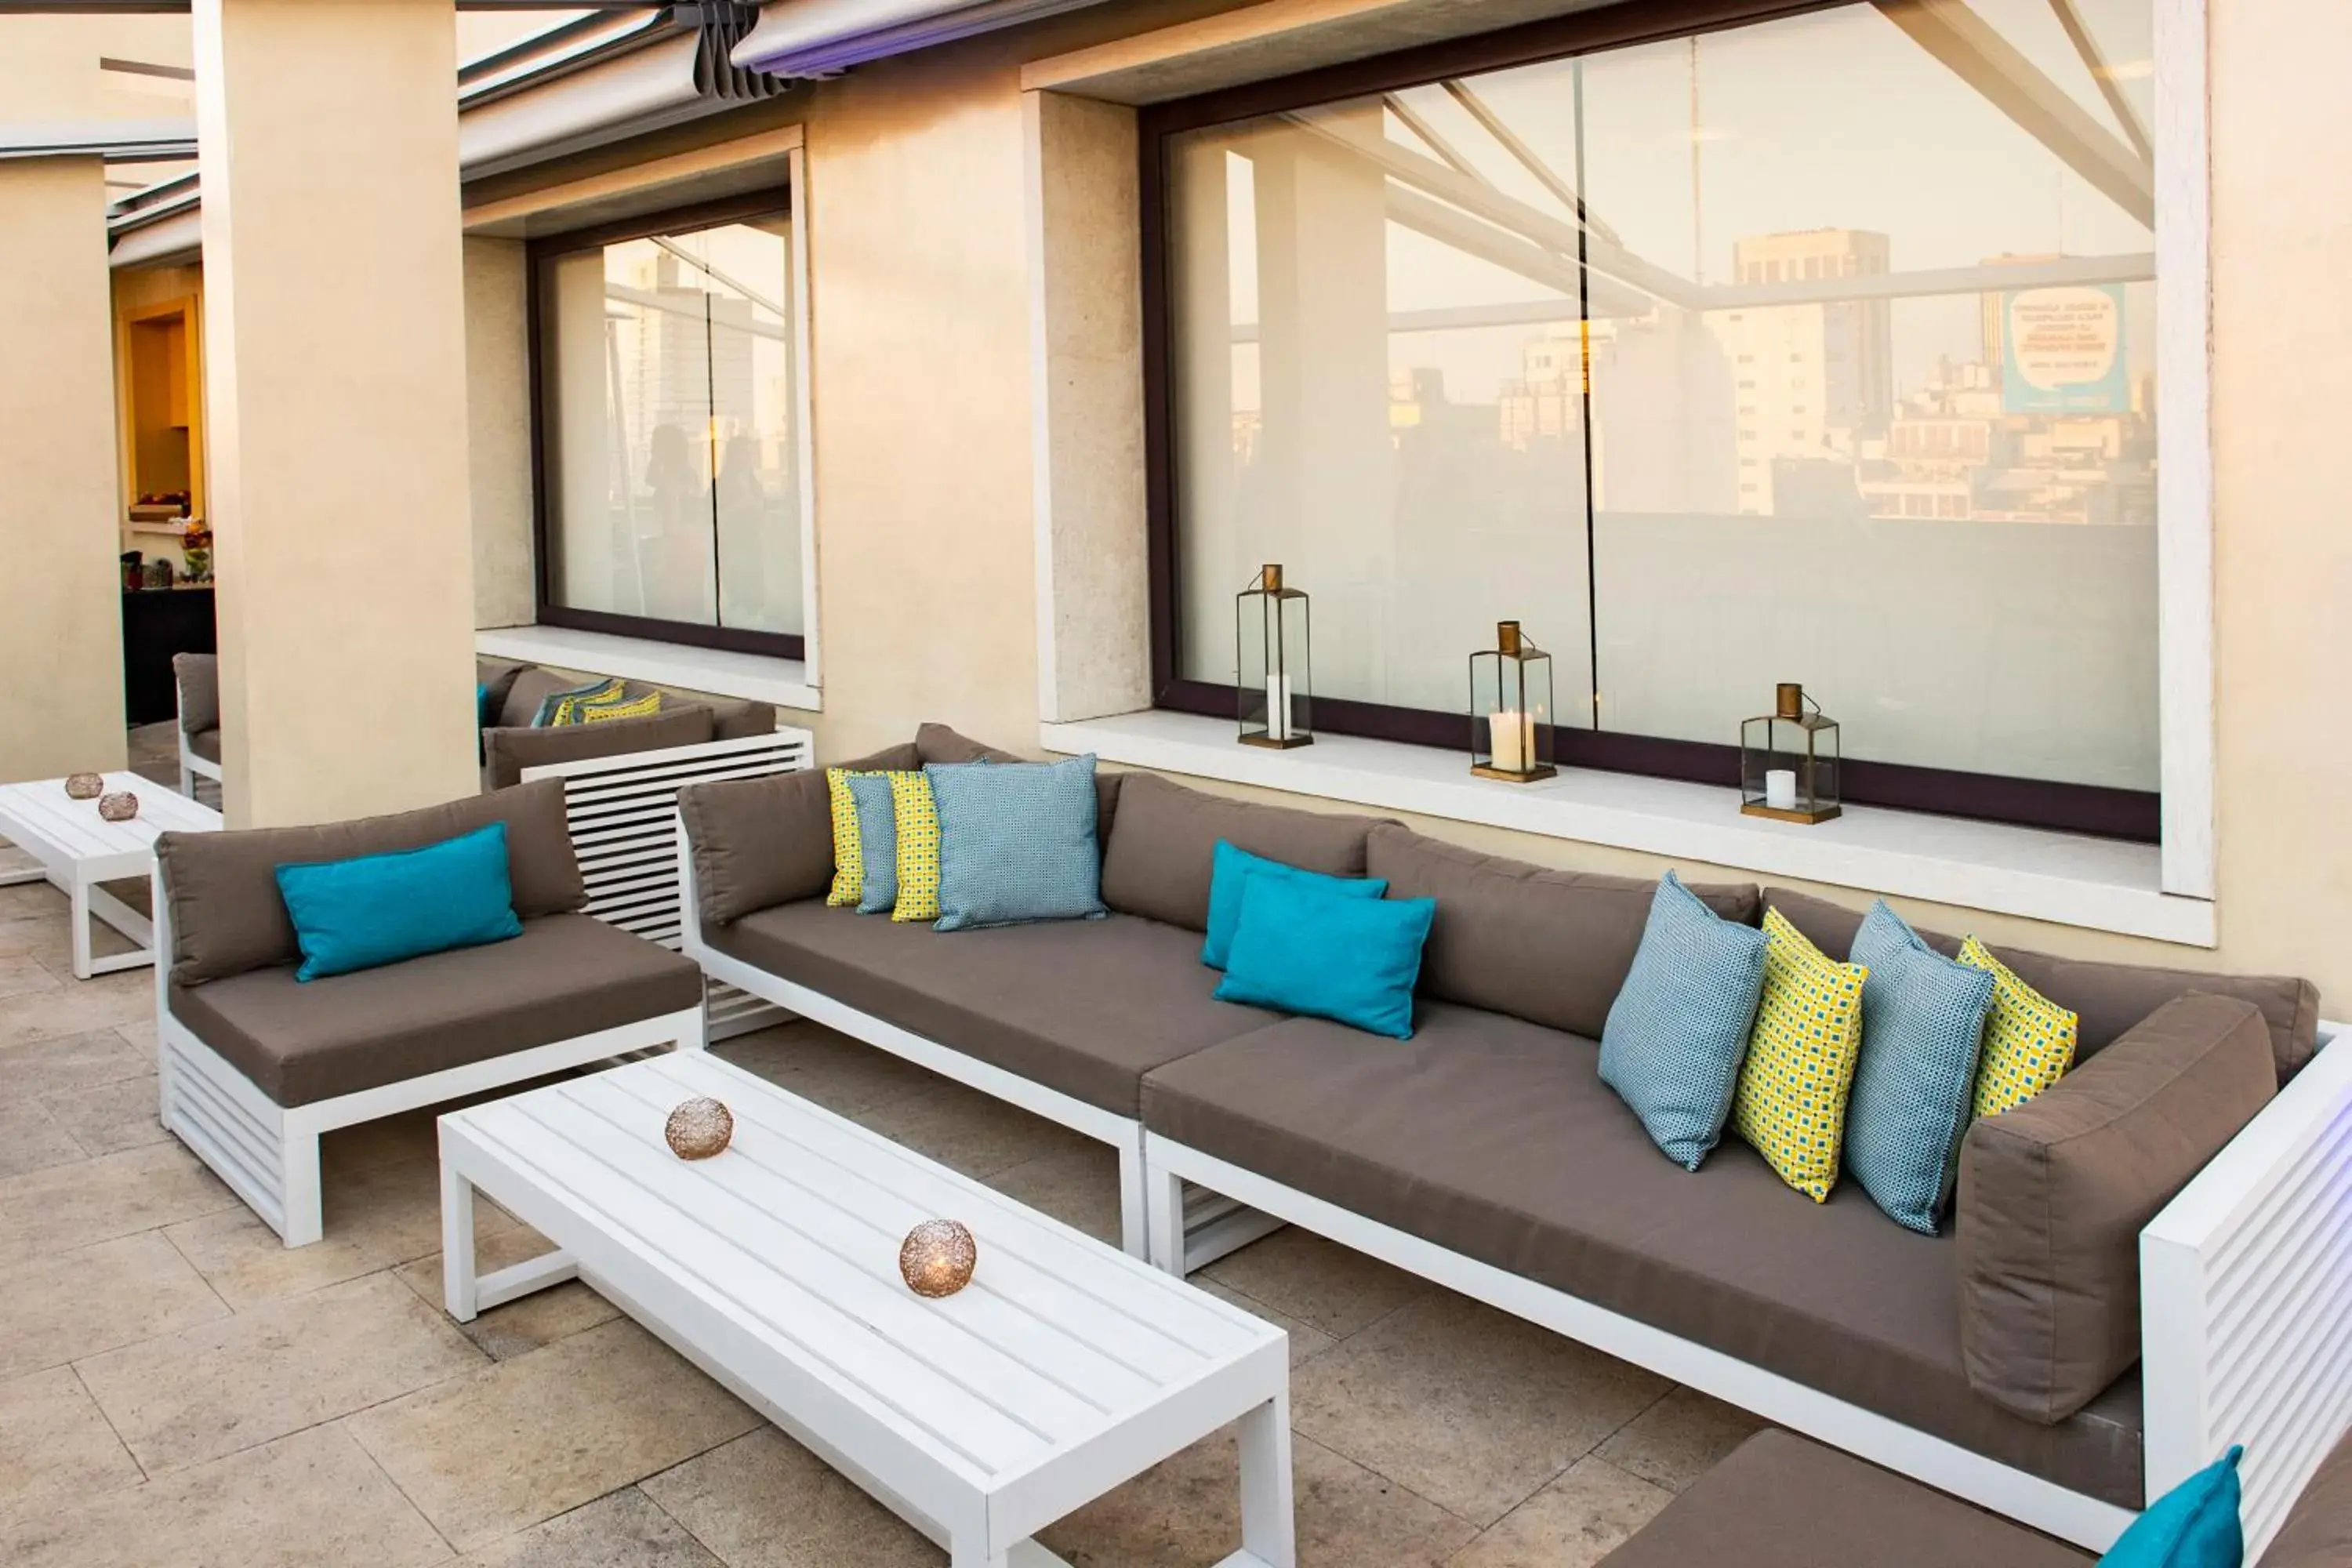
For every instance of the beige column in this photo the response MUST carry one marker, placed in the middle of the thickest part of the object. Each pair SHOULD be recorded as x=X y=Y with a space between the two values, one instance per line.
x=335 y=379
x=62 y=636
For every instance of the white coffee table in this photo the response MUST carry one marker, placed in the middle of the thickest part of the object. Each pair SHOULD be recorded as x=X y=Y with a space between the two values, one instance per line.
x=78 y=849
x=1063 y=1370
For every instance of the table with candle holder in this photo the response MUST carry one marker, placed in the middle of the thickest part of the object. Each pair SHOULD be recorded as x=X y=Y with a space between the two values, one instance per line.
x=1061 y=1370
x=79 y=851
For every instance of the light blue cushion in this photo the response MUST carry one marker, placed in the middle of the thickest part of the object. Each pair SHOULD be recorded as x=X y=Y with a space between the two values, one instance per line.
x=1230 y=868
x=1922 y=1030
x=1016 y=843
x=2194 y=1525
x=877 y=843
x=375 y=910
x=1678 y=1030
x=1301 y=948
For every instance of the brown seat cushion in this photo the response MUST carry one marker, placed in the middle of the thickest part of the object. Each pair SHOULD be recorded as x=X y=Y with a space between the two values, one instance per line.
x=2318 y=1529
x=2055 y=1193
x=1782 y=1503
x=763 y=841
x=1496 y=1139
x=1157 y=861
x=227 y=916
x=206 y=744
x=1552 y=947
x=507 y=751
x=2110 y=997
x=1083 y=1007
x=564 y=976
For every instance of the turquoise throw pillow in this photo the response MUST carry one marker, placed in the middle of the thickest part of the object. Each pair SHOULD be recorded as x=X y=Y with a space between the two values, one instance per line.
x=1230 y=870
x=877 y=843
x=2194 y=1525
x=375 y=910
x=1923 y=1018
x=1016 y=843
x=1678 y=1030
x=1301 y=948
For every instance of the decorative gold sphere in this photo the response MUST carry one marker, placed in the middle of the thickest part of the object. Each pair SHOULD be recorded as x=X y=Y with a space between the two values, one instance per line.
x=700 y=1129
x=120 y=806
x=937 y=1258
x=85 y=787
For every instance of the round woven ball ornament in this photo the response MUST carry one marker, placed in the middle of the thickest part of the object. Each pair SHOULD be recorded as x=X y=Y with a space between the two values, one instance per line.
x=120 y=806
x=698 y=1129
x=937 y=1258
x=84 y=786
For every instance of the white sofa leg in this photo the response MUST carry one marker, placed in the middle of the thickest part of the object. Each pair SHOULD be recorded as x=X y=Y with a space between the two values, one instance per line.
x=1134 y=1221
x=694 y=1028
x=1163 y=1202
x=305 y=1216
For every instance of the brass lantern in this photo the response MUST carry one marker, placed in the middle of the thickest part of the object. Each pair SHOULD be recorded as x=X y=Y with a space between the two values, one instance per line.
x=1788 y=760
x=1510 y=709
x=1270 y=662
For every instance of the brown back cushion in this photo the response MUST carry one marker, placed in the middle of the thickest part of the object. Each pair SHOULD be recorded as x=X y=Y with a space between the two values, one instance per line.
x=2055 y=1193
x=938 y=743
x=532 y=687
x=508 y=751
x=2110 y=997
x=1157 y=861
x=227 y=916
x=2318 y=1529
x=499 y=674
x=1552 y=947
x=761 y=842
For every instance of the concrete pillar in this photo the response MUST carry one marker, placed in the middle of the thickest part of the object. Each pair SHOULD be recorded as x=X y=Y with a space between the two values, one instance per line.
x=335 y=378
x=62 y=636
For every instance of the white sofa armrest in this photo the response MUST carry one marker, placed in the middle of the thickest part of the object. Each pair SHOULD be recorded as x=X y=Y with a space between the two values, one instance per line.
x=2246 y=1299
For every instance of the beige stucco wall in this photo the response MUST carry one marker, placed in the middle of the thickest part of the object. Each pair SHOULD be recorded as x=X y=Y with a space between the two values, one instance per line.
x=61 y=638
x=498 y=430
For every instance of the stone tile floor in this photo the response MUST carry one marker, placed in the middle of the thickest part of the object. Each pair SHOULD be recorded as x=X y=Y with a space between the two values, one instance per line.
x=177 y=1390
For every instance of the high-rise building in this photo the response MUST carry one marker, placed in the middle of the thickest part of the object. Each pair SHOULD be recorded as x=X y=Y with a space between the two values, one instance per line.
x=1812 y=378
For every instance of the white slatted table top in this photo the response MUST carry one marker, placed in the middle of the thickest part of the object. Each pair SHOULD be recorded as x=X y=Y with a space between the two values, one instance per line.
x=66 y=834
x=1064 y=1368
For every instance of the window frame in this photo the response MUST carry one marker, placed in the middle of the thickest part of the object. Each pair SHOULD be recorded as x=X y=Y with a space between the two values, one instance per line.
x=771 y=202
x=2137 y=816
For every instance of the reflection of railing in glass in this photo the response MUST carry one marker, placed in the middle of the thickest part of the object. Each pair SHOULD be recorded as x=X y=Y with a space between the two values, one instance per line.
x=673 y=473
x=1902 y=444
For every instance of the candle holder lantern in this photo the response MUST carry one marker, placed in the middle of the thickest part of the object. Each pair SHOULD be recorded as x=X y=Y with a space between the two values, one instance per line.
x=1788 y=760
x=1271 y=649
x=1510 y=709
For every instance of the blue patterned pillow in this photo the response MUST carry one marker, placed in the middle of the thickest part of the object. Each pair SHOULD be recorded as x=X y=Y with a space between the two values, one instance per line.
x=878 y=842
x=1017 y=842
x=1678 y=1030
x=1923 y=1019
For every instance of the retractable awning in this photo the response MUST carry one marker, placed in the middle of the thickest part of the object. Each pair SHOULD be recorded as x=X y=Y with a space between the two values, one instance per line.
x=823 y=37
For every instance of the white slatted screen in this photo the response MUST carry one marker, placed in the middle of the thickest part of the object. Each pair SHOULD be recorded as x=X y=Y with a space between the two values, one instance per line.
x=624 y=817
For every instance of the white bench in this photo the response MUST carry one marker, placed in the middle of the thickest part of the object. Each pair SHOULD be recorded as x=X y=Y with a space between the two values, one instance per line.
x=1063 y=1370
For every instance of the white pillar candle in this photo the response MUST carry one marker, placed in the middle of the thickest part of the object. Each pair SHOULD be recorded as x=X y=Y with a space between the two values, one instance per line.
x=1512 y=739
x=1780 y=789
x=1278 y=707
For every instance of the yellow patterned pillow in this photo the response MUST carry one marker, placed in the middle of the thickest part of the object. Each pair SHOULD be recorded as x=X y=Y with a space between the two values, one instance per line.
x=918 y=821
x=564 y=707
x=2029 y=1040
x=1790 y=1104
x=643 y=707
x=848 y=863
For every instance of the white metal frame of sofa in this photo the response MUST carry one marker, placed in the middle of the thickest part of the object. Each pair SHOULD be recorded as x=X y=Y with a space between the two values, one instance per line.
x=1215 y=1225
x=269 y=1153
x=2245 y=1307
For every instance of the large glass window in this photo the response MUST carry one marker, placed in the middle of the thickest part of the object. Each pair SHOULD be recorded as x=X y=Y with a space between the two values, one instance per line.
x=1820 y=349
x=669 y=430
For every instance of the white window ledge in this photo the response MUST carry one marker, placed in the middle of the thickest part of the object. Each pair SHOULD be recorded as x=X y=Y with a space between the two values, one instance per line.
x=752 y=677
x=2098 y=883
